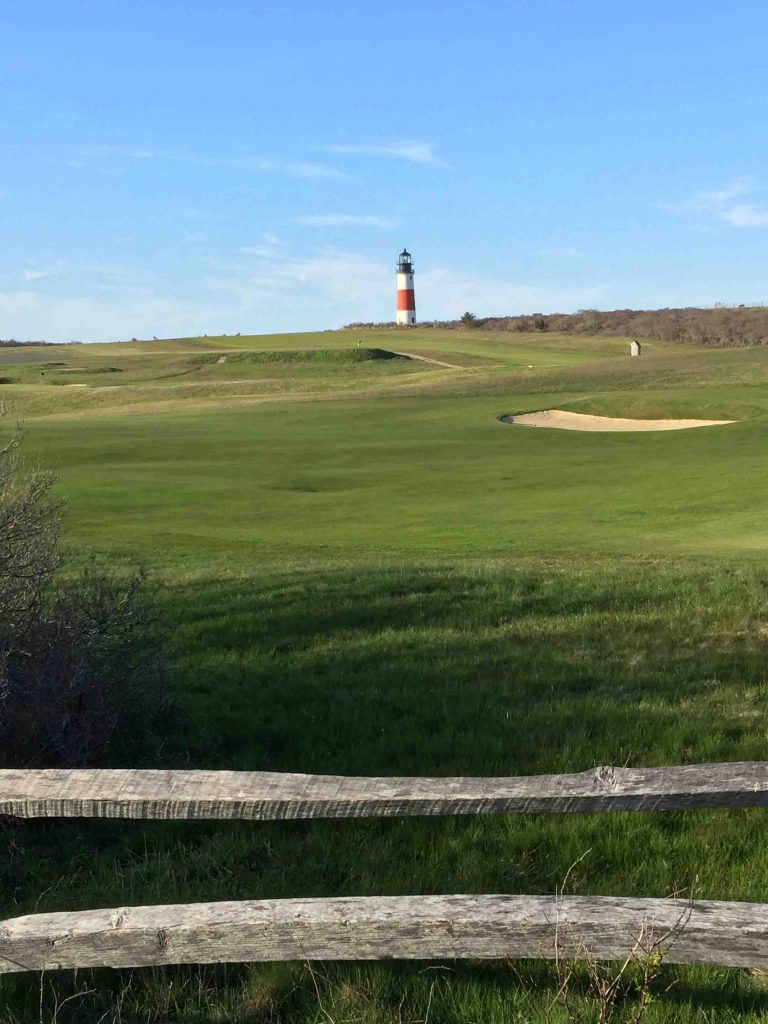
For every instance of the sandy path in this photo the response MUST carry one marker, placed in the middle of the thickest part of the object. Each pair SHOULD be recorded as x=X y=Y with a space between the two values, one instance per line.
x=426 y=359
x=563 y=420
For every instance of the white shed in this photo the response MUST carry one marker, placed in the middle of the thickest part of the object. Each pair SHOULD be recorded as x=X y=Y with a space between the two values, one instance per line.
x=634 y=348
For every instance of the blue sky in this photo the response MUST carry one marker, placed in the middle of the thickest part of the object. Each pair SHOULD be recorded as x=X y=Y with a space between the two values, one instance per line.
x=199 y=167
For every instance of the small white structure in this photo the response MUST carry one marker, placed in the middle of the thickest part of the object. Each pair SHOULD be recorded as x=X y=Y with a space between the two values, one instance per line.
x=634 y=348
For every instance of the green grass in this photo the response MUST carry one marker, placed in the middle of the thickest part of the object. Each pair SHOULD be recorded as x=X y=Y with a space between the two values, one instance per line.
x=371 y=574
x=382 y=479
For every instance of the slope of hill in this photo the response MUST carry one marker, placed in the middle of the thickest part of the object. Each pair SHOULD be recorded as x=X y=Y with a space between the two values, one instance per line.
x=370 y=574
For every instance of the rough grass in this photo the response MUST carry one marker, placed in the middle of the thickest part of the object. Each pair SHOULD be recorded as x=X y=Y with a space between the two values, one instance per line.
x=488 y=669
x=388 y=580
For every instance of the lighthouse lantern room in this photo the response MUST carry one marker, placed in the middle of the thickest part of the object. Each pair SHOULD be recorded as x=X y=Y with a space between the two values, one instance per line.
x=406 y=300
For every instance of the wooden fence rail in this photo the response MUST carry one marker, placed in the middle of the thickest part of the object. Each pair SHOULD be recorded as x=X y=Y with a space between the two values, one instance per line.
x=262 y=796
x=373 y=928
x=383 y=928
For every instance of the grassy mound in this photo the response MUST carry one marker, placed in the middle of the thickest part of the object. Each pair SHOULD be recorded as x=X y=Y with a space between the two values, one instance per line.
x=89 y=369
x=309 y=355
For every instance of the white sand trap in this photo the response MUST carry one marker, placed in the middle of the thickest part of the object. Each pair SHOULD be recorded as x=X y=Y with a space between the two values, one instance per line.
x=563 y=420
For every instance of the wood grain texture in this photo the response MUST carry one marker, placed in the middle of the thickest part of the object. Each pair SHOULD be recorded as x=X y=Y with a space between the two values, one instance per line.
x=395 y=927
x=261 y=796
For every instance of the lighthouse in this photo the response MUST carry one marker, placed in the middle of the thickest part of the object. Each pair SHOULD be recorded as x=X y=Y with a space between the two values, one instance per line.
x=406 y=298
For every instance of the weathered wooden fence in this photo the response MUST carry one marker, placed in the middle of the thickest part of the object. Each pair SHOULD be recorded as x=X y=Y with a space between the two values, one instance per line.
x=373 y=928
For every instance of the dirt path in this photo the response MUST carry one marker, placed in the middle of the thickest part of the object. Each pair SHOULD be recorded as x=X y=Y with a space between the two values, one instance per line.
x=563 y=420
x=426 y=359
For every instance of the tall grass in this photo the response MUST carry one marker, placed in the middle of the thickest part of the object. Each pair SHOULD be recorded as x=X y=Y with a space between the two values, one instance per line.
x=495 y=668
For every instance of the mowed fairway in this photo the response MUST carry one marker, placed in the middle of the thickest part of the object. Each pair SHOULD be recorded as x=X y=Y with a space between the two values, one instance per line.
x=401 y=478
x=320 y=452
x=371 y=574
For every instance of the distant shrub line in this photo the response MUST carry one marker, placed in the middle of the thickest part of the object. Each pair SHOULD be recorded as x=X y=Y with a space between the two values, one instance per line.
x=716 y=328
x=12 y=343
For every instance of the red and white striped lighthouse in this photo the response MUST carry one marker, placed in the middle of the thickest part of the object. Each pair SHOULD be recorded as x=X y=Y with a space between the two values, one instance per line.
x=406 y=298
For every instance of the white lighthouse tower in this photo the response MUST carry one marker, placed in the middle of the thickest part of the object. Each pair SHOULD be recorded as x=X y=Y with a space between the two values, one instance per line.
x=406 y=298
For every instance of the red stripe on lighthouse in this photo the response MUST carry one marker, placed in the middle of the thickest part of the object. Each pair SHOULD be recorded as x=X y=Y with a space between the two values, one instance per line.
x=406 y=298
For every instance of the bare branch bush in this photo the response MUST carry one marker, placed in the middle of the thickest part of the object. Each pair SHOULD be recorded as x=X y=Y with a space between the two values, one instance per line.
x=83 y=666
x=622 y=991
x=29 y=535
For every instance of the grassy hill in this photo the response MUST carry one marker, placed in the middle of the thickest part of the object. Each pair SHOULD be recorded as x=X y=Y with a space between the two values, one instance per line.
x=371 y=574
x=297 y=449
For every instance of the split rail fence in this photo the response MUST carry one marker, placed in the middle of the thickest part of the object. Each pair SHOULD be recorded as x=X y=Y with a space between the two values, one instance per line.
x=373 y=928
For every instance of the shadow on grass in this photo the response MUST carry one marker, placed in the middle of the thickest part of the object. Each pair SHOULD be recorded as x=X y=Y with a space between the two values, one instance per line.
x=485 y=673
x=496 y=670
x=396 y=993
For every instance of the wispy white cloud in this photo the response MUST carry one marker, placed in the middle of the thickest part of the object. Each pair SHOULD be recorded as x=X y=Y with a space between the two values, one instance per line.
x=444 y=294
x=345 y=286
x=331 y=282
x=567 y=252
x=737 y=188
x=414 y=151
x=126 y=152
x=345 y=219
x=120 y=273
x=292 y=168
x=103 y=276
x=109 y=317
x=728 y=206
x=266 y=165
x=259 y=288
x=267 y=252
x=37 y=275
x=742 y=215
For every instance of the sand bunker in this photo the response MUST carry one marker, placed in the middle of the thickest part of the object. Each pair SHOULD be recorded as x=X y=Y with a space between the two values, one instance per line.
x=563 y=420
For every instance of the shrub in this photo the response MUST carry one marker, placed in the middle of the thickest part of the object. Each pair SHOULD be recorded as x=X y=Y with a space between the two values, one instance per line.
x=83 y=668
x=29 y=533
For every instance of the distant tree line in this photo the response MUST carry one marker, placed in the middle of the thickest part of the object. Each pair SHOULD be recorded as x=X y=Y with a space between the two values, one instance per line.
x=733 y=327
x=9 y=342
x=12 y=341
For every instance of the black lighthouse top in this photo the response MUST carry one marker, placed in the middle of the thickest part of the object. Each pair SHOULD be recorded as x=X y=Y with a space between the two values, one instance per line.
x=404 y=265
